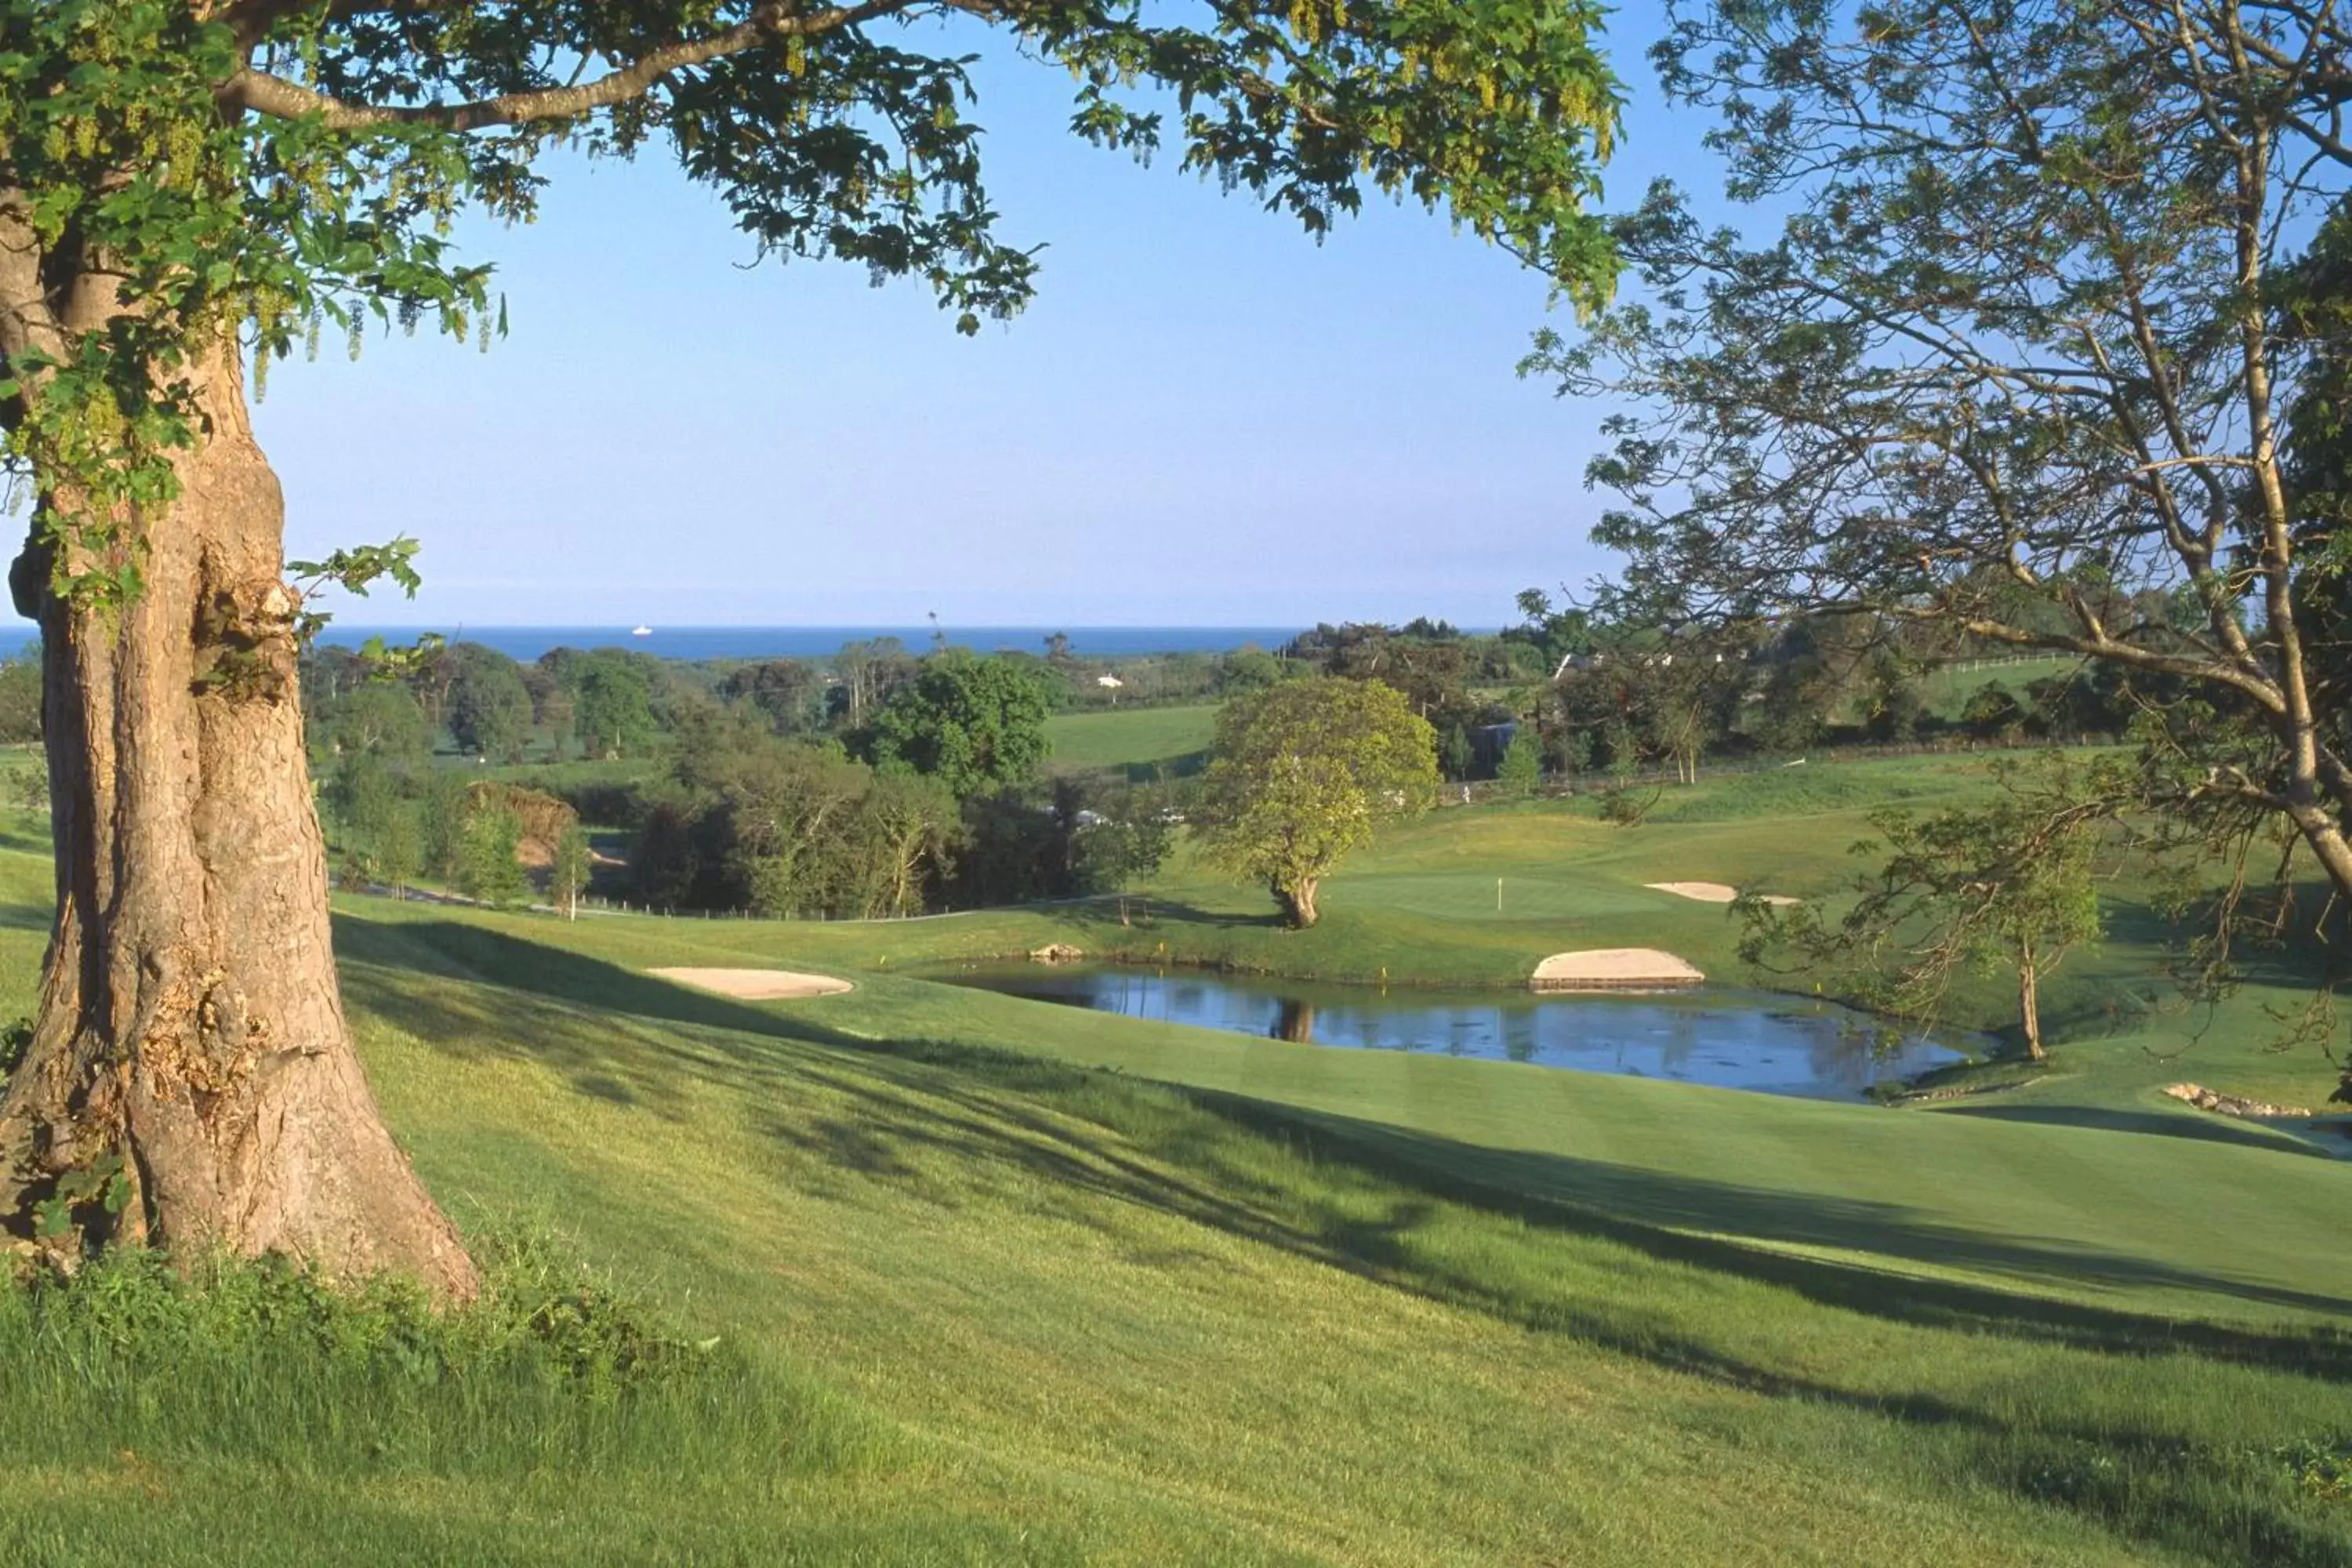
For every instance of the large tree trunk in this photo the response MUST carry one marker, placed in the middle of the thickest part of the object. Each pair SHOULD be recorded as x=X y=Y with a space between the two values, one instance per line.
x=1298 y=902
x=190 y=1020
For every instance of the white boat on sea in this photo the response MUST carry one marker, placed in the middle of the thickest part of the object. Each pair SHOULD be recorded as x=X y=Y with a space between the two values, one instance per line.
x=641 y=631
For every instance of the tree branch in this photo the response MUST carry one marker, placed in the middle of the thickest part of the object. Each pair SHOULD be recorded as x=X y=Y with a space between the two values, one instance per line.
x=28 y=321
x=263 y=93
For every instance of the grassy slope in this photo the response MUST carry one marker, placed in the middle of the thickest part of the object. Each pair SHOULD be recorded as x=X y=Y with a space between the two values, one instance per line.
x=2105 y=1213
x=1124 y=737
x=1328 y=1305
x=1148 y=1329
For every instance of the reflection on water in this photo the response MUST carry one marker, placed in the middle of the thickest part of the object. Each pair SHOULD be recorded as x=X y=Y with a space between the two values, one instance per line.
x=1733 y=1039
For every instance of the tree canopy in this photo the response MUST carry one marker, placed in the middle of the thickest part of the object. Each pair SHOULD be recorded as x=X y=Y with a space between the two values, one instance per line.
x=787 y=827
x=1303 y=772
x=612 y=702
x=170 y=169
x=381 y=718
x=2022 y=364
x=972 y=723
x=489 y=708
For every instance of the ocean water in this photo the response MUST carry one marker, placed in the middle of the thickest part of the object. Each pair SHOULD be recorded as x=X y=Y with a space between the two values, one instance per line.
x=527 y=643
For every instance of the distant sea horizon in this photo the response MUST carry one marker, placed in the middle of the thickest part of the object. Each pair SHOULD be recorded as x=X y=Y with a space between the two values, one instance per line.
x=528 y=643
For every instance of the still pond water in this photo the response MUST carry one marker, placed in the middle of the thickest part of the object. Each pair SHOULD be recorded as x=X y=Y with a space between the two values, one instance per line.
x=1732 y=1040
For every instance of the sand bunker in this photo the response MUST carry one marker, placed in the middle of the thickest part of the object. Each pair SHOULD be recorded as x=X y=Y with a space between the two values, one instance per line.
x=1713 y=892
x=1614 y=969
x=756 y=985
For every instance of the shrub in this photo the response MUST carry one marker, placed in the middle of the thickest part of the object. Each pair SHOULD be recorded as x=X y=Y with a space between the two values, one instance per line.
x=1521 y=768
x=490 y=868
x=1627 y=805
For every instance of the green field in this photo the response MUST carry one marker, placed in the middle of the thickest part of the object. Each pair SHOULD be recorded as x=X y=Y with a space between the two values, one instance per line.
x=1947 y=690
x=1132 y=740
x=1015 y=1283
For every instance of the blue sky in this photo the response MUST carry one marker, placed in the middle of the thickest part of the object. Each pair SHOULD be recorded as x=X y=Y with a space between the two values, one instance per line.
x=1204 y=418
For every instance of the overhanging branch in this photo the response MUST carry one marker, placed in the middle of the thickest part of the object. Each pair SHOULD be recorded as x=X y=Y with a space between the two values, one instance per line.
x=264 y=93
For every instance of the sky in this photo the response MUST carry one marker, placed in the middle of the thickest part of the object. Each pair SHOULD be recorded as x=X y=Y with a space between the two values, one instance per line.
x=1204 y=418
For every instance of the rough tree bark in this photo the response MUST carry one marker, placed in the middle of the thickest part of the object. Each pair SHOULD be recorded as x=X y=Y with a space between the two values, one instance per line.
x=189 y=1018
x=1298 y=902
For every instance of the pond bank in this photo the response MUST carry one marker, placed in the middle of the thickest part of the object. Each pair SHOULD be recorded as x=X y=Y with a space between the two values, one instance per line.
x=1716 y=1036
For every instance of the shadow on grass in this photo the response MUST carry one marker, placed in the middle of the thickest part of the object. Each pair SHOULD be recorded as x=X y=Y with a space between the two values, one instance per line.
x=527 y=1001
x=1375 y=1202
x=947 y=1123
x=2299 y=958
x=2166 y=1490
x=2156 y=1123
x=24 y=917
x=1562 y=1191
x=1182 y=766
x=1550 y=1188
x=21 y=842
x=1150 y=911
x=459 y=951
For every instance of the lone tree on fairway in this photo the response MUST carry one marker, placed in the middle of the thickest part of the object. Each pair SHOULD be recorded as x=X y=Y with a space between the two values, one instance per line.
x=2029 y=360
x=1303 y=772
x=2007 y=885
x=185 y=183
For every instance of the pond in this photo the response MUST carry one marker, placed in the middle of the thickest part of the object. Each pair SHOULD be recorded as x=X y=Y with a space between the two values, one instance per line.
x=1730 y=1038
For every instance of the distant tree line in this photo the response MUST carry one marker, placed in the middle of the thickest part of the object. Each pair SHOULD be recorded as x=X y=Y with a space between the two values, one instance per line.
x=20 y=697
x=1620 y=699
x=394 y=820
x=871 y=783
x=618 y=704
x=896 y=787
x=879 y=783
x=1561 y=692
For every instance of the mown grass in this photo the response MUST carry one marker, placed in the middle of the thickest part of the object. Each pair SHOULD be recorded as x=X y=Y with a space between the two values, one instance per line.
x=1016 y=1284
x=1947 y=690
x=2118 y=1207
x=1130 y=739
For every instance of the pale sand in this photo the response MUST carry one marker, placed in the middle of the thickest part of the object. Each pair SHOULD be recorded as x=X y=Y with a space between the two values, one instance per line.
x=1613 y=967
x=1713 y=892
x=756 y=985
